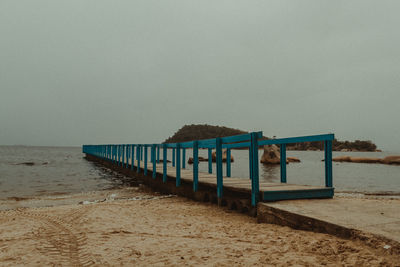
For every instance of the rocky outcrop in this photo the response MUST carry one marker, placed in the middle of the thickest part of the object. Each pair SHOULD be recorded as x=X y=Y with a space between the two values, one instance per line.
x=386 y=160
x=214 y=156
x=272 y=155
x=191 y=160
x=391 y=160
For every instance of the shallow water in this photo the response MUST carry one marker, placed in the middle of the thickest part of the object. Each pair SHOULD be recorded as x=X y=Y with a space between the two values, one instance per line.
x=59 y=170
x=347 y=177
x=55 y=170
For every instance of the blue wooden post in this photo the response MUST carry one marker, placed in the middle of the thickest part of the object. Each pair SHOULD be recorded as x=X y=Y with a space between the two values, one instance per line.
x=112 y=153
x=158 y=153
x=165 y=163
x=138 y=152
x=228 y=162
x=123 y=155
x=250 y=161
x=210 y=160
x=218 y=149
x=132 y=157
x=154 y=161
x=283 y=163
x=195 y=165
x=328 y=163
x=145 y=160
x=173 y=157
x=255 y=186
x=126 y=155
x=119 y=155
x=141 y=152
x=183 y=158
x=115 y=154
x=178 y=164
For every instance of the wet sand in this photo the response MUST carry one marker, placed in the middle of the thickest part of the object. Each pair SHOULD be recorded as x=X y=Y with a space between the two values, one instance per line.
x=131 y=227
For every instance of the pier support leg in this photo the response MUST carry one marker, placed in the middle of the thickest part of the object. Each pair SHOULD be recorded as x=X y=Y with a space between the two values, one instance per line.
x=178 y=165
x=165 y=163
x=195 y=165
x=218 y=149
x=209 y=160
x=228 y=162
x=328 y=163
x=283 y=163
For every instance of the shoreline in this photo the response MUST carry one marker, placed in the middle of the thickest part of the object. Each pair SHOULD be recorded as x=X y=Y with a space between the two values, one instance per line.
x=64 y=198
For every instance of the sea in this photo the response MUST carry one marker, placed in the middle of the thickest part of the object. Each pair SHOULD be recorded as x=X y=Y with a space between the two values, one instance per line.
x=27 y=171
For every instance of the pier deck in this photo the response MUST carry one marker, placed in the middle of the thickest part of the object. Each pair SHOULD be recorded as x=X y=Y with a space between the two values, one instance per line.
x=268 y=191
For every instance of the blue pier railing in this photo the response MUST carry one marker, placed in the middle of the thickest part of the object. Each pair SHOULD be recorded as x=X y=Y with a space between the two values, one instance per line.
x=122 y=154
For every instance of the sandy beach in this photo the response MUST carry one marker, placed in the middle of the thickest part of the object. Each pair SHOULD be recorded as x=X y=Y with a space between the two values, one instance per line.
x=131 y=227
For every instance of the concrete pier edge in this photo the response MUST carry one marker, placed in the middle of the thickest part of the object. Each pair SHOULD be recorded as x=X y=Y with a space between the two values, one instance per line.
x=272 y=215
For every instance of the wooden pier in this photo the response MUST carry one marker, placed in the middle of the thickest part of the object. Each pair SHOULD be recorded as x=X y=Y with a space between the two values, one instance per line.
x=236 y=192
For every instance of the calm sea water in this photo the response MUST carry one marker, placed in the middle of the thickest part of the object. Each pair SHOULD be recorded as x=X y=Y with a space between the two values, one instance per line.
x=56 y=170
x=59 y=170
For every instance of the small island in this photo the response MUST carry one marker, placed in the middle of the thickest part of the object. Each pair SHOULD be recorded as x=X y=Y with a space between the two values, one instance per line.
x=204 y=131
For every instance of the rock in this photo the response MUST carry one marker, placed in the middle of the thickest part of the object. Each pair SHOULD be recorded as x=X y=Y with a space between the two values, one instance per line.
x=292 y=159
x=365 y=160
x=272 y=155
x=391 y=160
x=386 y=160
x=214 y=156
x=342 y=159
x=191 y=160
x=26 y=163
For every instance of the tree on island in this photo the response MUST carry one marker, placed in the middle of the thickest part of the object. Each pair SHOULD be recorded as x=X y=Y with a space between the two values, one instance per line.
x=204 y=131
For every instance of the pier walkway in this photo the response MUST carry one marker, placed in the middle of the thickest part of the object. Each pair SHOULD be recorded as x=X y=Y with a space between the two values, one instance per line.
x=123 y=155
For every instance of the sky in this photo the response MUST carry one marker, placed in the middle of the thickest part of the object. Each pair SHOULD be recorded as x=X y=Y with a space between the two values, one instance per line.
x=93 y=71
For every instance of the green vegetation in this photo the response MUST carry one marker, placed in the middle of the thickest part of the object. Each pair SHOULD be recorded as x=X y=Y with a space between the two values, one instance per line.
x=201 y=131
x=205 y=131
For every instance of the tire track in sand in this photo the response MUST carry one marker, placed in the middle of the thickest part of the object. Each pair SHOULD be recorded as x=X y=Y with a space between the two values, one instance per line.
x=59 y=238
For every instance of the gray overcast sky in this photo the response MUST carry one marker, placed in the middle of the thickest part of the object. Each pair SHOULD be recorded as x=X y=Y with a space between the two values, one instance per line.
x=75 y=72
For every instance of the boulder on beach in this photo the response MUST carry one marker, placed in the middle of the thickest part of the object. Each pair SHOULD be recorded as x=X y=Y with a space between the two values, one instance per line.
x=214 y=156
x=272 y=155
x=191 y=160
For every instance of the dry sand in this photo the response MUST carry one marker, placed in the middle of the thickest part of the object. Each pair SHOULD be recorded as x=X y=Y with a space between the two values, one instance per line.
x=168 y=231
